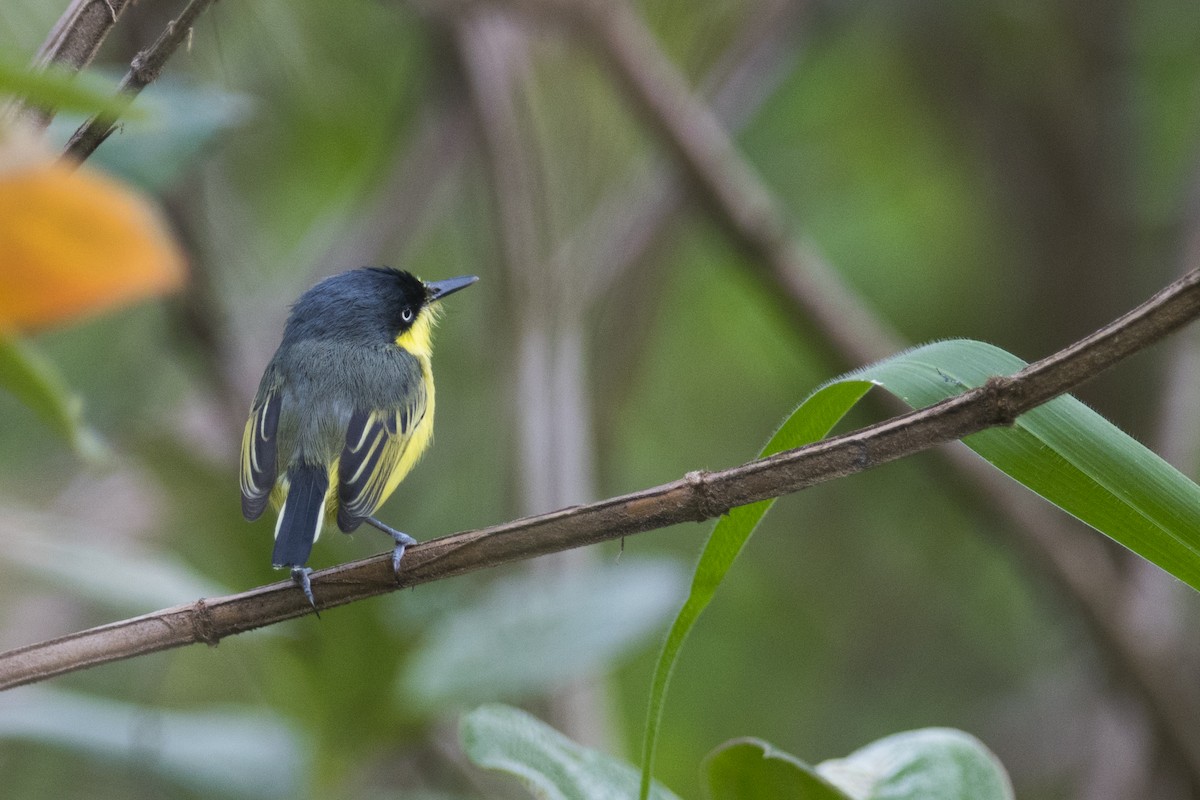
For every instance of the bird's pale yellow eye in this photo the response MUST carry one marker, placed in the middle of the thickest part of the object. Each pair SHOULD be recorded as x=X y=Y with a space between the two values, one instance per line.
x=407 y=314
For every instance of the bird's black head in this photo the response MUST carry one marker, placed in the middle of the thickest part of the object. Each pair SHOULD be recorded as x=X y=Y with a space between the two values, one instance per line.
x=369 y=306
x=403 y=295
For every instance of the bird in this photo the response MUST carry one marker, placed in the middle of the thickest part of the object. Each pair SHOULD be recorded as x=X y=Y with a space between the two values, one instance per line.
x=344 y=409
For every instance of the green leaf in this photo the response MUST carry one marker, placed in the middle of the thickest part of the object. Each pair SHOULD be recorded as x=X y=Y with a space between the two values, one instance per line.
x=928 y=764
x=751 y=769
x=550 y=765
x=64 y=90
x=813 y=420
x=35 y=381
x=1062 y=450
x=552 y=629
x=1067 y=453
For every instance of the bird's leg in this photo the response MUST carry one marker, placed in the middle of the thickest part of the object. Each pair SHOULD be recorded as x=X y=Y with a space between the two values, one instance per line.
x=402 y=541
x=300 y=578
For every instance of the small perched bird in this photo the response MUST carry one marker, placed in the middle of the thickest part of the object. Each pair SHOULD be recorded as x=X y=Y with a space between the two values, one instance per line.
x=344 y=410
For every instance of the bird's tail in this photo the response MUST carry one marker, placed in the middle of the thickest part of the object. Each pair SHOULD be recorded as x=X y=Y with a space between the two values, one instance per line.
x=302 y=515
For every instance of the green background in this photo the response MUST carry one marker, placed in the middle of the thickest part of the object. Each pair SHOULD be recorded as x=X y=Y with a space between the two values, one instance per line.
x=1018 y=173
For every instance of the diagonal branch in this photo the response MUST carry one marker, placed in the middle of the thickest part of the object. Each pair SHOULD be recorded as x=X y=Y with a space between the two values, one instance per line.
x=625 y=223
x=696 y=497
x=72 y=43
x=143 y=70
x=816 y=298
x=79 y=32
x=728 y=185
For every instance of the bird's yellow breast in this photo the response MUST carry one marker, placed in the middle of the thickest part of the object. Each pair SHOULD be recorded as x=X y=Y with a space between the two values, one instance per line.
x=418 y=340
x=420 y=437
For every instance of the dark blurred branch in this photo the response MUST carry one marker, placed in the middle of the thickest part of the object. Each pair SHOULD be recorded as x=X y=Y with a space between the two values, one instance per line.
x=611 y=253
x=698 y=496
x=1178 y=437
x=72 y=43
x=550 y=306
x=626 y=223
x=143 y=70
x=553 y=414
x=79 y=32
x=820 y=303
x=740 y=202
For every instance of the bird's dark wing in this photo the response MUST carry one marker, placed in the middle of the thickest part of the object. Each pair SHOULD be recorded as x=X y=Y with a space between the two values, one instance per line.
x=382 y=445
x=259 y=453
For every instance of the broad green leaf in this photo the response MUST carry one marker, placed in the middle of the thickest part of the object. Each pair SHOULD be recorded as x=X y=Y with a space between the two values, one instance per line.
x=64 y=90
x=550 y=628
x=34 y=381
x=751 y=769
x=234 y=752
x=550 y=765
x=1065 y=452
x=1062 y=450
x=928 y=764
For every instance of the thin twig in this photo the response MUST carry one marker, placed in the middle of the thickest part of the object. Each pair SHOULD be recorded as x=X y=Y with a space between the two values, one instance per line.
x=143 y=70
x=698 y=496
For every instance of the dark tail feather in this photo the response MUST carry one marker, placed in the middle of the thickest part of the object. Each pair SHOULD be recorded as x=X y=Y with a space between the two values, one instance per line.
x=302 y=515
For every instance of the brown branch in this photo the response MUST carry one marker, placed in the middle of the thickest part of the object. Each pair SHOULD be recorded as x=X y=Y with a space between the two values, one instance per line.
x=143 y=70
x=698 y=496
x=72 y=43
x=79 y=32
x=727 y=184
x=625 y=224
x=816 y=298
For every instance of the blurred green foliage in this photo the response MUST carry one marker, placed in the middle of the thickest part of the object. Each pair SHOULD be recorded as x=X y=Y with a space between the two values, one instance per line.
x=1016 y=173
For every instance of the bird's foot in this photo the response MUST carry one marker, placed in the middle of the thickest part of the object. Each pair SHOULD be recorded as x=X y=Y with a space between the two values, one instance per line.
x=301 y=579
x=401 y=539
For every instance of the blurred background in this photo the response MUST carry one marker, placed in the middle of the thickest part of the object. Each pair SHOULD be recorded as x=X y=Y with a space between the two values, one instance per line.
x=1016 y=172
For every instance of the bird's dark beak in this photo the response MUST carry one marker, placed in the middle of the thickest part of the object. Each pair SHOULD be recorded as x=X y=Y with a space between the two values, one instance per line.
x=436 y=290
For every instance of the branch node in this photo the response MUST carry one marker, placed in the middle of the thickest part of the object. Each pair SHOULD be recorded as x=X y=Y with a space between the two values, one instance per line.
x=707 y=505
x=202 y=624
x=140 y=69
x=863 y=458
x=1004 y=407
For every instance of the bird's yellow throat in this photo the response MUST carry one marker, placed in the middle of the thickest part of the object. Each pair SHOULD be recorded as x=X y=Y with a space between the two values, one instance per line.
x=418 y=339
